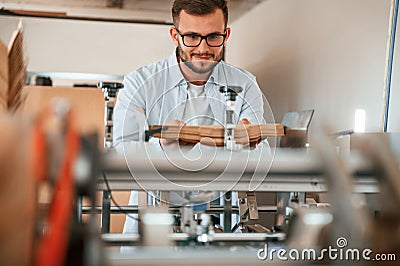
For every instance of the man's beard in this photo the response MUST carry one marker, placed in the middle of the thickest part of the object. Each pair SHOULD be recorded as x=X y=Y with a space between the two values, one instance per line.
x=199 y=67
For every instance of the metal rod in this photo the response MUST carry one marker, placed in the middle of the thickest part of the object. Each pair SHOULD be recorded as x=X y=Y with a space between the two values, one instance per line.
x=389 y=60
x=79 y=208
x=228 y=212
x=105 y=212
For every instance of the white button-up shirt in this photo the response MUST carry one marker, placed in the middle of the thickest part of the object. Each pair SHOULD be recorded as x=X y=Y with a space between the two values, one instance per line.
x=160 y=90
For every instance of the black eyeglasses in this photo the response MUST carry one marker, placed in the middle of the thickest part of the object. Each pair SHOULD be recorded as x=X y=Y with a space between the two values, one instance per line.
x=194 y=39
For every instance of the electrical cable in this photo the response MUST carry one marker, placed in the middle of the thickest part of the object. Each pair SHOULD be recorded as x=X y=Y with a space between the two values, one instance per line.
x=115 y=203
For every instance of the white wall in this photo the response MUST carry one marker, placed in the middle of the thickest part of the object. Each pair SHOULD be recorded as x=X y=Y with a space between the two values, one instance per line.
x=328 y=55
x=89 y=47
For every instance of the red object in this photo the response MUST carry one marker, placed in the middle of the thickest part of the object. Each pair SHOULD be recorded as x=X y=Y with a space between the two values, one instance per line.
x=52 y=247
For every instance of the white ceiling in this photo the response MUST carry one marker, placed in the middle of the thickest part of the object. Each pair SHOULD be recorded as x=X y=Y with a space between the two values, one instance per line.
x=148 y=10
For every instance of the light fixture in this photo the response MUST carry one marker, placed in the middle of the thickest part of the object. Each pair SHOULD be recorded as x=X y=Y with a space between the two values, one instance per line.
x=359 y=120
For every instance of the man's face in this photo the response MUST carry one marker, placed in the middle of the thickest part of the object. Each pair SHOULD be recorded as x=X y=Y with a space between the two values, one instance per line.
x=200 y=59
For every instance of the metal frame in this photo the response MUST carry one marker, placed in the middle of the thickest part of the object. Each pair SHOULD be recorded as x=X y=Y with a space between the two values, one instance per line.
x=291 y=170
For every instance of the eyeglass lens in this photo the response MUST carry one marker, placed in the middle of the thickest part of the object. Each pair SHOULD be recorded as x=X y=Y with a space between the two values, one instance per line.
x=193 y=40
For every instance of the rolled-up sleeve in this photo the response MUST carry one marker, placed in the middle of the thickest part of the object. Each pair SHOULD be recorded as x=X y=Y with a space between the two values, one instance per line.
x=125 y=124
x=252 y=106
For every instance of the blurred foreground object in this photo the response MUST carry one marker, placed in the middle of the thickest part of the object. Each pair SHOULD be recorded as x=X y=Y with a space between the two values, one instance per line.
x=347 y=216
x=52 y=241
x=12 y=72
x=17 y=194
x=47 y=166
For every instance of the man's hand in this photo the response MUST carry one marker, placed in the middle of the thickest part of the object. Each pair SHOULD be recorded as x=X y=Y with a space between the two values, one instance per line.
x=176 y=142
x=245 y=121
x=171 y=142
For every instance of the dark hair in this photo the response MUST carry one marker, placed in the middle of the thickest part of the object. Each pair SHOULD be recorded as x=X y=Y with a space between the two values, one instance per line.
x=198 y=7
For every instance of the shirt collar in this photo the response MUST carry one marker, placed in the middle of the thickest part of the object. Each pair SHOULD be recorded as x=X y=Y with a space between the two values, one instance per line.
x=219 y=75
x=176 y=76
